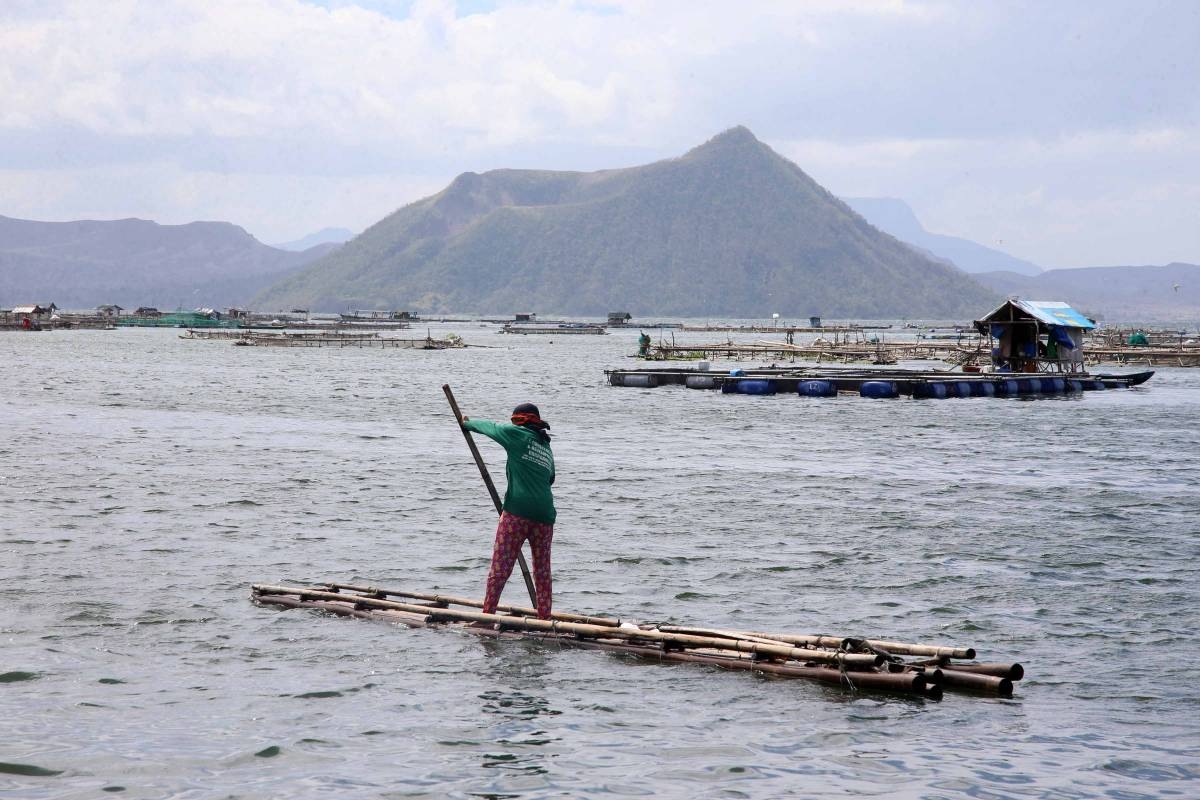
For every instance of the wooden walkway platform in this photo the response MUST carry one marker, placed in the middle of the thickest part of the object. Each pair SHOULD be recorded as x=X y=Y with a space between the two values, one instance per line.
x=880 y=383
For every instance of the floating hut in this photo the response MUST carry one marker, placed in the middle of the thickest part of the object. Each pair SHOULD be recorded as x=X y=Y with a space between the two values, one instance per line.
x=623 y=319
x=855 y=663
x=29 y=317
x=1036 y=336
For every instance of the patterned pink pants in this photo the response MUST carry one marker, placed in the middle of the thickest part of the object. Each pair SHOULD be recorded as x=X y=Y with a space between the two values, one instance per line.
x=511 y=533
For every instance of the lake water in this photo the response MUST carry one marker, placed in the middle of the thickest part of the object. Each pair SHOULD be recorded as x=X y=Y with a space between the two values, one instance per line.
x=146 y=482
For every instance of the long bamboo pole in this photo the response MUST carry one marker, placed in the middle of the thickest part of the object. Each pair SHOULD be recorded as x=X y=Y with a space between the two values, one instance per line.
x=487 y=479
x=464 y=601
x=895 y=648
x=1014 y=672
x=977 y=682
x=849 y=660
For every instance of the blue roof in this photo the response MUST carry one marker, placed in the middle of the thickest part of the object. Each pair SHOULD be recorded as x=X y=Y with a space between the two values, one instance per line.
x=1051 y=312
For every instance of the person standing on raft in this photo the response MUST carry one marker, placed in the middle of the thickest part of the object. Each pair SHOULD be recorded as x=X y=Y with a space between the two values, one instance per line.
x=528 y=510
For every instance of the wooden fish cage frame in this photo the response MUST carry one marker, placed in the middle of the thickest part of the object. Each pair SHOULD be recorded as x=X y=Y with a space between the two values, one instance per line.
x=1182 y=356
x=819 y=352
x=339 y=339
x=959 y=351
x=853 y=663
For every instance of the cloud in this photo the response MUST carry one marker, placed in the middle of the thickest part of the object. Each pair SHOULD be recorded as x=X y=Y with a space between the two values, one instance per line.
x=925 y=100
x=1084 y=199
x=230 y=68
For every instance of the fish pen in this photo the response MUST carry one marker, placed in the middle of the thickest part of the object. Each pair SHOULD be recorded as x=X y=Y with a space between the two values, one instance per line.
x=1182 y=355
x=820 y=351
x=339 y=339
x=873 y=383
x=776 y=328
x=577 y=328
x=855 y=663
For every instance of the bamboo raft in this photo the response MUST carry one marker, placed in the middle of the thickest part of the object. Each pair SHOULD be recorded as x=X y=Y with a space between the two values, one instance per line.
x=850 y=662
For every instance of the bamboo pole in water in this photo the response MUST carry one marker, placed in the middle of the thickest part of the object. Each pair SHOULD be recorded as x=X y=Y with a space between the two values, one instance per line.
x=1014 y=672
x=667 y=640
x=911 y=682
x=491 y=487
x=980 y=683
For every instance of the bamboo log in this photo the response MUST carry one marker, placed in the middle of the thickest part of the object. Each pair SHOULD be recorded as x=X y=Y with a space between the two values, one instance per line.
x=347 y=610
x=934 y=691
x=896 y=648
x=1014 y=672
x=721 y=634
x=976 y=682
x=667 y=640
x=909 y=682
x=464 y=601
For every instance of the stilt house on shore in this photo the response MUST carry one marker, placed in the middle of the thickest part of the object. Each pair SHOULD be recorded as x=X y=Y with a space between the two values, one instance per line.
x=1035 y=336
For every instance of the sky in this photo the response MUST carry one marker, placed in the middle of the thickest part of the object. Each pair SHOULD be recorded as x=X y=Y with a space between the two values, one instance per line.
x=1065 y=133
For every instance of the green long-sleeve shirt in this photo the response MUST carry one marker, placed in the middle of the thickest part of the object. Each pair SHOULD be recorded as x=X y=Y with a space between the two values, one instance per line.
x=530 y=469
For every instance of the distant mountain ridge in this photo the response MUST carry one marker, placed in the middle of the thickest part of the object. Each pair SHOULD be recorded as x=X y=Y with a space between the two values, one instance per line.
x=134 y=262
x=335 y=236
x=1169 y=293
x=729 y=228
x=897 y=218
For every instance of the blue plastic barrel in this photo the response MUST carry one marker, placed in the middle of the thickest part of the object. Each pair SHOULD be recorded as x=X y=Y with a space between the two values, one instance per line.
x=700 y=382
x=1035 y=385
x=1010 y=388
x=984 y=389
x=962 y=388
x=755 y=386
x=640 y=381
x=930 y=391
x=1098 y=385
x=1074 y=386
x=737 y=372
x=816 y=389
x=878 y=389
x=1054 y=385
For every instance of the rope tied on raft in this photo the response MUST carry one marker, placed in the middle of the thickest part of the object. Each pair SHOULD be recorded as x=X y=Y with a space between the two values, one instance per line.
x=841 y=663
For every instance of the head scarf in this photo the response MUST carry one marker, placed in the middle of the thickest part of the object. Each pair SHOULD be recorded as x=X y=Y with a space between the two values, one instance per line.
x=527 y=415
